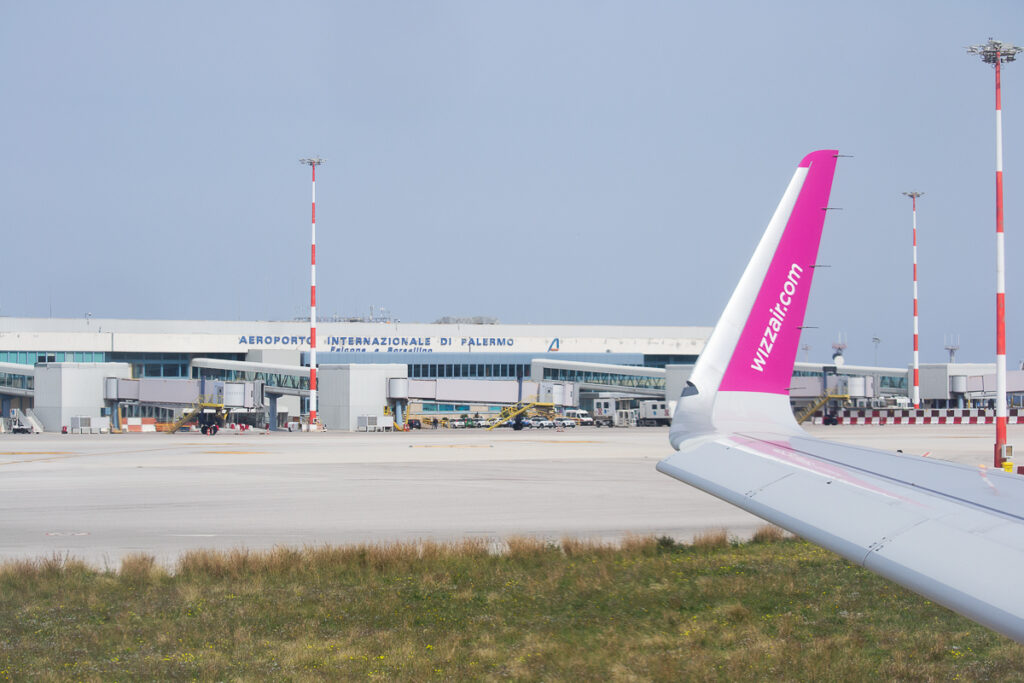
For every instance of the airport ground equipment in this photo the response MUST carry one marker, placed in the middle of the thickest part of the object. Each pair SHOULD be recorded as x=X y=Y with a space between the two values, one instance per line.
x=523 y=410
x=207 y=414
x=817 y=404
x=25 y=422
x=615 y=412
x=580 y=416
x=655 y=414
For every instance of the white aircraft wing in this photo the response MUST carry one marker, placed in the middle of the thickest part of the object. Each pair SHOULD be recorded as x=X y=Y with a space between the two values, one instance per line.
x=948 y=531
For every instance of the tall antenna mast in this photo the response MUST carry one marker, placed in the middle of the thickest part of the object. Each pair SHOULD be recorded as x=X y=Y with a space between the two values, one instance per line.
x=917 y=387
x=312 y=163
x=996 y=52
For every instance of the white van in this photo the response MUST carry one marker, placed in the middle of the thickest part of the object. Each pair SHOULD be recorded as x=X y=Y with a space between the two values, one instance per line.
x=582 y=417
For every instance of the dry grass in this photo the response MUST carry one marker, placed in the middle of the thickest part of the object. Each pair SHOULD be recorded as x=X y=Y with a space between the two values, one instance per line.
x=709 y=540
x=769 y=533
x=643 y=610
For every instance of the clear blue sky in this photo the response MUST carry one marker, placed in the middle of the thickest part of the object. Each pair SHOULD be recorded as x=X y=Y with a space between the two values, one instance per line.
x=544 y=162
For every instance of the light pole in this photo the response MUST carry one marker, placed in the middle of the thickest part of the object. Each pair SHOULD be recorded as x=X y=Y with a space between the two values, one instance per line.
x=917 y=387
x=312 y=163
x=995 y=52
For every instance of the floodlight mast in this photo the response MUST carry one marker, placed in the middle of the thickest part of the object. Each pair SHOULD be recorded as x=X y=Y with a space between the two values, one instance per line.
x=312 y=163
x=917 y=386
x=996 y=52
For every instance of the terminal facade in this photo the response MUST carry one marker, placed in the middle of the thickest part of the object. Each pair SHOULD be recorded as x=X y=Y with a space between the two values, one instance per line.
x=277 y=353
x=443 y=369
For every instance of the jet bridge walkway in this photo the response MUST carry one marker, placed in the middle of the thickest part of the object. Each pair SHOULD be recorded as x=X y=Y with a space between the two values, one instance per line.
x=279 y=380
x=17 y=380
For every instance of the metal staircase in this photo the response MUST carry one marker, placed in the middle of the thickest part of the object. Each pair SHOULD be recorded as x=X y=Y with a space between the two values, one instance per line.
x=510 y=412
x=814 y=407
x=192 y=411
x=26 y=420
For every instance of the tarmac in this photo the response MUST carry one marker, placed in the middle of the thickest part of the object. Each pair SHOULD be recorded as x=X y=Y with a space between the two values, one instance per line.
x=102 y=497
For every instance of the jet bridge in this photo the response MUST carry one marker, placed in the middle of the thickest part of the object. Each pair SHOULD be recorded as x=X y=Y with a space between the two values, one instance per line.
x=278 y=380
x=625 y=380
x=17 y=392
x=17 y=379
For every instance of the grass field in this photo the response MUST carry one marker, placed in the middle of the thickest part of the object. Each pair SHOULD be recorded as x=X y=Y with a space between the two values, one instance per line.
x=649 y=609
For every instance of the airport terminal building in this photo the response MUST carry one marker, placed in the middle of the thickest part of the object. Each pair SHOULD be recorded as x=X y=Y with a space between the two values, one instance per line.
x=456 y=363
x=62 y=369
x=165 y=348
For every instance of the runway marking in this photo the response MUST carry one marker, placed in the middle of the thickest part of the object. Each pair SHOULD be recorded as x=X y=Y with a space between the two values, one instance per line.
x=237 y=452
x=59 y=456
x=38 y=453
x=453 y=445
x=67 y=533
x=556 y=441
x=63 y=455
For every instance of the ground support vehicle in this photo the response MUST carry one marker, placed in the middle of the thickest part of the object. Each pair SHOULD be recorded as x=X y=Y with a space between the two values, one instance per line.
x=581 y=417
x=604 y=412
x=655 y=414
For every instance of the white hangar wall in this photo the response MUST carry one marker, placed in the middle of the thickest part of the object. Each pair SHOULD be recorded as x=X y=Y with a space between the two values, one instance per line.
x=66 y=390
x=348 y=391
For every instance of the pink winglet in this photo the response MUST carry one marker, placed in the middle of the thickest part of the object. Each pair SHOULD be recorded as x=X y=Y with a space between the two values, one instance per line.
x=763 y=358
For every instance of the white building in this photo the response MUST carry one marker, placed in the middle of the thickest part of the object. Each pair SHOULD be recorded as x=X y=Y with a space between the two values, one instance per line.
x=231 y=349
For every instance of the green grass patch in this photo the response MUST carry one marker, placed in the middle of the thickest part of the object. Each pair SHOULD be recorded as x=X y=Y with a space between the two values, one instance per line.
x=646 y=609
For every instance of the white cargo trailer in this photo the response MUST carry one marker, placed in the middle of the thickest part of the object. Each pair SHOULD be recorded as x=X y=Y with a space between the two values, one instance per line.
x=655 y=413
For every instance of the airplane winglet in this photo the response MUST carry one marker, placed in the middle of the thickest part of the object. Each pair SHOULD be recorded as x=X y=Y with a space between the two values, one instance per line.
x=934 y=527
x=746 y=368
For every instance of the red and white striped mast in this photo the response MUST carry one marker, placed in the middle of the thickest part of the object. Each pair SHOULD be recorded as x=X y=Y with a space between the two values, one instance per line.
x=312 y=163
x=996 y=52
x=917 y=365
